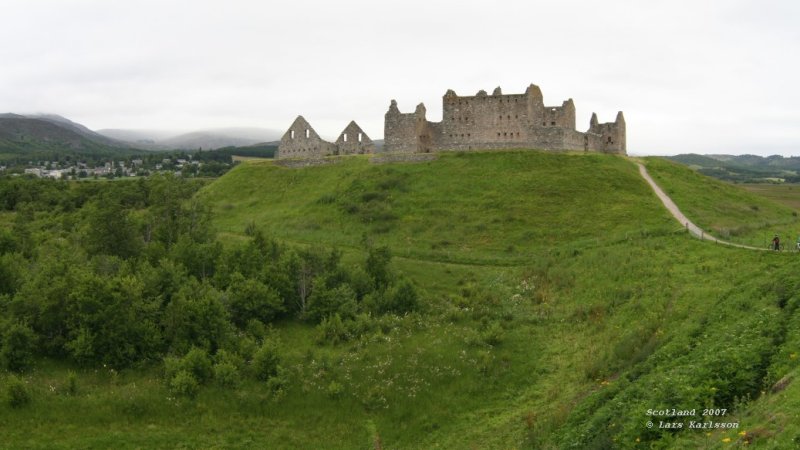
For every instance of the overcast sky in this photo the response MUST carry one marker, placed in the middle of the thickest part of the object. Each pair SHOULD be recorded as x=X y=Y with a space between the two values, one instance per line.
x=690 y=75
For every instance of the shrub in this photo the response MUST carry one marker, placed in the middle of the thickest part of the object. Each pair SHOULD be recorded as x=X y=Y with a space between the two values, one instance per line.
x=361 y=325
x=377 y=266
x=72 y=383
x=195 y=363
x=485 y=361
x=324 y=302
x=399 y=300
x=184 y=384
x=226 y=374
x=196 y=316
x=332 y=331
x=403 y=298
x=266 y=361
x=335 y=390
x=198 y=364
x=493 y=334
x=17 y=393
x=227 y=368
x=277 y=383
x=16 y=352
x=249 y=299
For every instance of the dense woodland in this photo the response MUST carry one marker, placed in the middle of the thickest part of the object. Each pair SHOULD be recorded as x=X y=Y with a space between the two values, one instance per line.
x=126 y=274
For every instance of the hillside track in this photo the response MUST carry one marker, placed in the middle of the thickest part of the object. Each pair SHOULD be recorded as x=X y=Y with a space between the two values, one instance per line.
x=680 y=217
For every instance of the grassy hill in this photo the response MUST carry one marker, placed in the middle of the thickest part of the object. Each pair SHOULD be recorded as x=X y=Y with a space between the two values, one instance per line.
x=560 y=302
x=47 y=137
x=728 y=212
x=744 y=168
x=466 y=208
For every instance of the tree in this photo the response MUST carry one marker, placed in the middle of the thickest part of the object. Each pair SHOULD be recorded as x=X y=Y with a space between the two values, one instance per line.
x=18 y=345
x=377 y=266
x=196 y=317
x=247 y=299
x=325 y=302
x=111 y=230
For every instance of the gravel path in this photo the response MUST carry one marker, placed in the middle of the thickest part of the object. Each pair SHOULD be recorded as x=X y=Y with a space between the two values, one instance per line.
x=673 y=209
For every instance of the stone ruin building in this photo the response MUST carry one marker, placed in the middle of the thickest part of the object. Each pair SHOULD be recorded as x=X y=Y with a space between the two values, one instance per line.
x=301 y=141
x=479 y=122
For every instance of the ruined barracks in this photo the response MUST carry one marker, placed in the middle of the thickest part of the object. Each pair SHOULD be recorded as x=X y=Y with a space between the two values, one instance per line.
x=479 y=122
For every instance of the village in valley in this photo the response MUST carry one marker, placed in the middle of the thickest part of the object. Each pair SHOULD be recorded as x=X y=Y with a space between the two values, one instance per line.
x=183 y=164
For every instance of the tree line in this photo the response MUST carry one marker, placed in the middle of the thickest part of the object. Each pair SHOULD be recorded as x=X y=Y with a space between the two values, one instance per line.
x=130 y=273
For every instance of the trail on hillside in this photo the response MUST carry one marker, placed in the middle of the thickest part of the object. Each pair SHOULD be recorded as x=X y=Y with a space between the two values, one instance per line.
x=676 y=212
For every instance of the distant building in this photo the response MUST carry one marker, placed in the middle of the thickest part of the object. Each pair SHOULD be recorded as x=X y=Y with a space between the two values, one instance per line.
x=477 y=122
x=301 y=141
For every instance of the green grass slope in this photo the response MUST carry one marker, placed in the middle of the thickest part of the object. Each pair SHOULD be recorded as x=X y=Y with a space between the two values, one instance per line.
x=728 y=211
x=479 y=207
x=560 y=302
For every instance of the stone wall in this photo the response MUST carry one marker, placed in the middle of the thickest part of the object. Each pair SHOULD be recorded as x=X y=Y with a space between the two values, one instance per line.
x=479 y=122
x=301 y=141
x=353 y=141
x=499 y=121
x=399 y=131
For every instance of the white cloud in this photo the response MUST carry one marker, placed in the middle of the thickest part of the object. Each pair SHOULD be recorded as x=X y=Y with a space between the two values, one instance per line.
x=691 y=76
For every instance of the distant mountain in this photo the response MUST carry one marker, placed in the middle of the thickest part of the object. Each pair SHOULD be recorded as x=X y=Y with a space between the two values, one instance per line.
x=137 y=136
x=206 y=139
x=744 y=168
x=22 y=136
x=80 y=129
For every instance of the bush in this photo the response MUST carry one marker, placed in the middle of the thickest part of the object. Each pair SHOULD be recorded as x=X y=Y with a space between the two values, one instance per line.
x=266 y=361
x=16 y=353
x=184 y=384
x=335 y=390
x=277 y=383
x=324 y=302
x=332 y=331
x=17 y=393
x=226 y=374
x=399 y=300
x=198 y=364
x=72 y=383
x=403 y=298
x=227 y=368
x=195 y=363
x=493 y=334
x=196 y=316
x=249 y=299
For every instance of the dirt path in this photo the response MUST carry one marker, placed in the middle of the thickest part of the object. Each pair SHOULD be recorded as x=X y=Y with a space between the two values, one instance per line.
x=673 y=209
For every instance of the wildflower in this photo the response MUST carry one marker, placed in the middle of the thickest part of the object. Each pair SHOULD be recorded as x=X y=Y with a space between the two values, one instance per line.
x=726 y=440
x=743 y=433
x=638 y=440
x=793 y=356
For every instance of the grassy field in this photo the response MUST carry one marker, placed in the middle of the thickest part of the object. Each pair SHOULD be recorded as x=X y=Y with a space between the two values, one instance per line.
x=786 y=194
x=561 y=301
x=728 y=211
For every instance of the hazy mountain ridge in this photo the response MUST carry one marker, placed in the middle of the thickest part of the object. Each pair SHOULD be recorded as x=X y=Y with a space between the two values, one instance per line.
x=210 y=139
x=36 y=134
x=21 y=135
x=744 y=168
